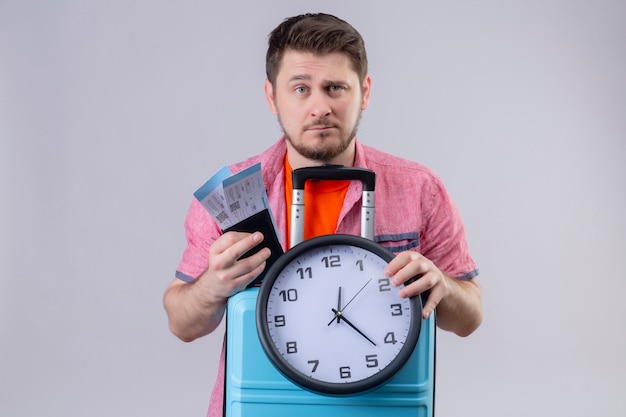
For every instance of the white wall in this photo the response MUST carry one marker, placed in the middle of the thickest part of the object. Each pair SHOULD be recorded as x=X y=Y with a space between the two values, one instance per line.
x=113 y=112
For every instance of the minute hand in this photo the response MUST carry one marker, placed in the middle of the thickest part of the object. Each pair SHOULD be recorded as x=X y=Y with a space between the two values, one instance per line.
x=339 y=314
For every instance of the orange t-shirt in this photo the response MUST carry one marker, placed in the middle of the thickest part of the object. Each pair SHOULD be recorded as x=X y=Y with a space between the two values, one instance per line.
x=323 y=201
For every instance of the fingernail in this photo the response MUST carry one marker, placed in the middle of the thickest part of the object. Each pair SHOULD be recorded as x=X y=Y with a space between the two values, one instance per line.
x=256 y=237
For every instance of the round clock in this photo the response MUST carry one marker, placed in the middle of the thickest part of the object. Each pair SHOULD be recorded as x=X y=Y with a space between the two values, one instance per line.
x=329 y=319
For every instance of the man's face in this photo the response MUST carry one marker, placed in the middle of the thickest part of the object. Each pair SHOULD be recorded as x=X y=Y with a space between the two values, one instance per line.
x=318 y=101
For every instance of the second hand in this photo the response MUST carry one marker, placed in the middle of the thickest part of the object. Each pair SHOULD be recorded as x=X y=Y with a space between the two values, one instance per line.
x=339 y=310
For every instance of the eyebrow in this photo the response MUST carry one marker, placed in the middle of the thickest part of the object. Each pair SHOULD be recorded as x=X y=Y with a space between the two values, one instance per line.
x=305 y=77
x=302 y=77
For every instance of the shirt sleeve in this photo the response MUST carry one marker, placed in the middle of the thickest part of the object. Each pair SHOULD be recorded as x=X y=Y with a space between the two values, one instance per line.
x=201 y=231
x=444 y=237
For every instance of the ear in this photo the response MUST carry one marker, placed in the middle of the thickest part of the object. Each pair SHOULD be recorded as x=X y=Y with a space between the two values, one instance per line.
x=269 y=96
x=367 y=87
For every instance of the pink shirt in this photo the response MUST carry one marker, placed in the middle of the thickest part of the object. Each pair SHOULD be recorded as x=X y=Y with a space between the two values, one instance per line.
x=413 y=212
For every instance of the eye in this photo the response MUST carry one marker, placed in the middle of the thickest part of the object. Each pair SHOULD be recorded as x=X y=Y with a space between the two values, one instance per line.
x=300 y=90
x=335 y=88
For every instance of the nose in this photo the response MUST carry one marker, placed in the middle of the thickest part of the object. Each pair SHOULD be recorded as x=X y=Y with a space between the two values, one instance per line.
x=320 y=104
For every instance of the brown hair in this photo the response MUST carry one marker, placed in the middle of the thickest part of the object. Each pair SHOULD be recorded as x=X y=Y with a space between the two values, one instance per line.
x=319 y=34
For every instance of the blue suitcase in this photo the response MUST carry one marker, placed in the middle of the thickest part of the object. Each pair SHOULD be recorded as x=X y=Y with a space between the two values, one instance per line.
x=253 y=386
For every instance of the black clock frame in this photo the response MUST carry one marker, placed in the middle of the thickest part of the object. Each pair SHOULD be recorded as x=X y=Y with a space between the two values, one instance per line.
x=304 y=381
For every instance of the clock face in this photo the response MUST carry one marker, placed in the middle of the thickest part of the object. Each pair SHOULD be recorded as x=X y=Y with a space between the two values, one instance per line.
x=331 y=321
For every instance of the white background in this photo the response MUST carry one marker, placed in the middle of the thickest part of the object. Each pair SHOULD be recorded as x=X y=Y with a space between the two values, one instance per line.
x=113 y=112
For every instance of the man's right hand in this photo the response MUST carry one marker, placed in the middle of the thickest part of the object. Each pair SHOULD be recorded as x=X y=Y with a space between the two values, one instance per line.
x=227 y=274
x=196 y=309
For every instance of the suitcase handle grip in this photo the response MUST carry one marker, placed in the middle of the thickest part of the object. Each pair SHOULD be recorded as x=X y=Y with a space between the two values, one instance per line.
x=334 y=172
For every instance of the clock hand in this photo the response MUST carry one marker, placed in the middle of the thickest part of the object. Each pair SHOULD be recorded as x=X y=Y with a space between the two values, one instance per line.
x=340 y=315
x=358 y=292
x=339 y=305
x=338 y=311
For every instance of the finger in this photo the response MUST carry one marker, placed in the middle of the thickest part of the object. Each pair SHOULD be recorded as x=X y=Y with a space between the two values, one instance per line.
x=397 y=263
x=406 y=266
x=227 y=240
x=234 y=278
x=242 y=281
x=421 y=283
x=245 y=267
x=432 y=302
x=232 y=245
x=225 y=252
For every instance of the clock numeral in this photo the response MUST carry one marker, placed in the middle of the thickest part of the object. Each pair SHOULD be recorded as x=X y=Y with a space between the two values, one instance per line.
x=371 y=361
x=344 y=372
x=279 y=321
x=332 y=261
x=360 y=264
x=289 y=295
x=384 y=284
x=390 y=338
x=292 y=347
x=315 y=364
x=396 y=309
x=305 y=271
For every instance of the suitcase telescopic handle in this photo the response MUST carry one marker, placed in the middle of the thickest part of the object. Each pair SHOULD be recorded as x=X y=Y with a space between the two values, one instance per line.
x=332 y=172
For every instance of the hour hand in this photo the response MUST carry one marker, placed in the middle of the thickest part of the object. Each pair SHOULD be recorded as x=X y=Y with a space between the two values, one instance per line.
x=338 y=311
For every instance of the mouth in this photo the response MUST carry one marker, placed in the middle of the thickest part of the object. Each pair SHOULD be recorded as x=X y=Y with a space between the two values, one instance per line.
x=319 y=128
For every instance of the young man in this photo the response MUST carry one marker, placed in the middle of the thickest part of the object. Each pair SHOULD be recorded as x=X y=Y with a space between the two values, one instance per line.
x=318 y=85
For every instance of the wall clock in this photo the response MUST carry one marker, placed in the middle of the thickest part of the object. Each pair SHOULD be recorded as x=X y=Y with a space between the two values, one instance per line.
x=330 y=321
